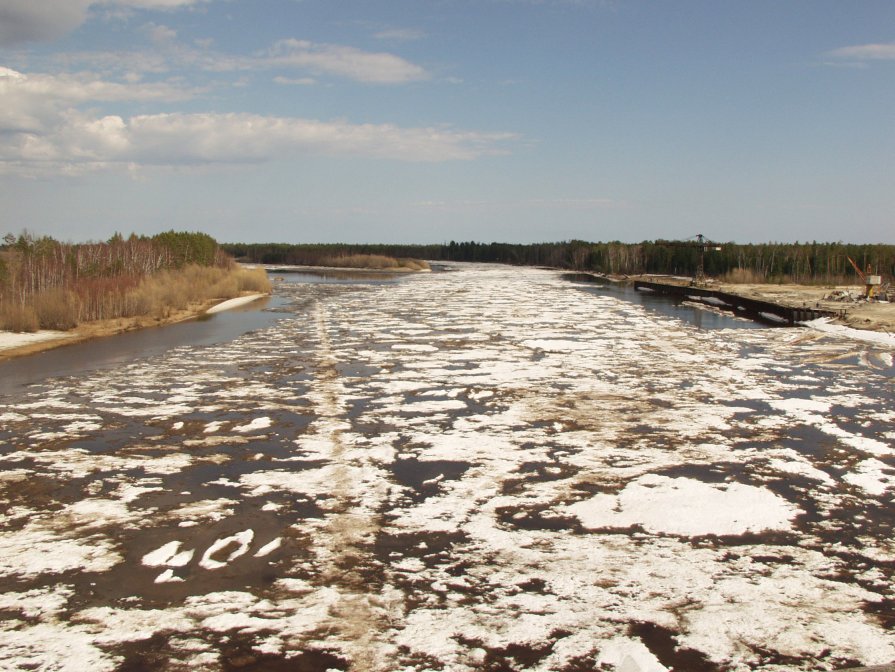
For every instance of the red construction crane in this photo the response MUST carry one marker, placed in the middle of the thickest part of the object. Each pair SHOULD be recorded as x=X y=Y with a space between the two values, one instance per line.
x=871 y=282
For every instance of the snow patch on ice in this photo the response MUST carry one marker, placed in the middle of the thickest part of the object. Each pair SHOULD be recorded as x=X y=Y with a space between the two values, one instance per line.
x=34 y=551
x=873 y=476
x=629 y=655
x=414 y=347
x=687 y=507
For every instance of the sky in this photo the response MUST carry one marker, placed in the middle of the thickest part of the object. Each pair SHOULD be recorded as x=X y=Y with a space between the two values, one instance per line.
x=426 y=121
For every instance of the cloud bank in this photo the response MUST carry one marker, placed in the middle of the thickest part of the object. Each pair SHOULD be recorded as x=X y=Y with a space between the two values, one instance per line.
x=318 y=59
x=24 y=21
x=44 y=131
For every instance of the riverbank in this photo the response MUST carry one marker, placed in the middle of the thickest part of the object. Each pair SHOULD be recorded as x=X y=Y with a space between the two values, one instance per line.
x=19 y=344
x=876 y=316
x=858 y=314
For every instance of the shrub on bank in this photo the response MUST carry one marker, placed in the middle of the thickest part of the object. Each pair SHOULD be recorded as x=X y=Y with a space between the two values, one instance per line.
x=16 y=317
x=56 y=309
x=163 y=293
x=414 y=264
x=376 y=262
x=253 y=280
x=157 y=296
x=373 y=261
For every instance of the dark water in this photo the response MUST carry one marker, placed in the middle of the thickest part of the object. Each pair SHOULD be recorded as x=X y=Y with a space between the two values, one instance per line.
x=335 y=277
x=702 y=317
x=112 y=351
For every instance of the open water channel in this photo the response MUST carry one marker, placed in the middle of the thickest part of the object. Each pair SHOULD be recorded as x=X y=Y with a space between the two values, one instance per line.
x=487 y=468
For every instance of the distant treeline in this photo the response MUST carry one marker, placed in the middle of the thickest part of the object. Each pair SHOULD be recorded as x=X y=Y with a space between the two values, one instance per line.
x=328 y=254
x=766 y=262
x=48 y=284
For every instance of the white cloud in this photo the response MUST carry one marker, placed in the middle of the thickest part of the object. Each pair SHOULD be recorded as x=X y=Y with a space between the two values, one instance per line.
x=866 y=52
x=240 y=138
x=400 y=35
x=151 y=4
x=160 y=34
x=15 y=87
x=362 y=66
x=43 y=130
x=292 y=54
x=35 y=103
x=44 y=20
x=295 y=81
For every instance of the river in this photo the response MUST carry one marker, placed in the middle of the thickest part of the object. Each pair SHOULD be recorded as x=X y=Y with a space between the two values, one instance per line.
x=482 y=468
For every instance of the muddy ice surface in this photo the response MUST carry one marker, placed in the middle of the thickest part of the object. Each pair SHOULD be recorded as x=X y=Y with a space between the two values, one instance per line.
x=484 y=469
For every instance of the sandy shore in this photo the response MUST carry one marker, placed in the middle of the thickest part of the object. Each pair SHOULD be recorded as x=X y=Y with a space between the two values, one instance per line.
x=15 y=345
x=859 y=314
x=10 y=340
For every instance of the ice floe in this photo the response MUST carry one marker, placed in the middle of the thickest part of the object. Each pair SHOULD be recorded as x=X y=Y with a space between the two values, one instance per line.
x=254 y=425
x=236 y=545
x=168 y=555
x=687 y=507
x=873 y=476
x=824 y=325
x=230 y=304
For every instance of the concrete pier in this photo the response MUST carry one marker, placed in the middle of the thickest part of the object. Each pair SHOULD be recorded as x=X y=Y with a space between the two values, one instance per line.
x=764 y=311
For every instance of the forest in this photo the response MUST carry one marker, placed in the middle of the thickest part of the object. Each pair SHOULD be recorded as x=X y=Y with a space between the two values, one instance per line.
x=804 y=263
x=47 y=284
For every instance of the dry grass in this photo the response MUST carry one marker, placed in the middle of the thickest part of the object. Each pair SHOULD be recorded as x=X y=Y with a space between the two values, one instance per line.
x=163 y=293
x=56 y=309
x=746 y=276
x=16 y=317
x=253 y=280
x=157 y=296
x=377 y=262
x=367 y=261
x=414 y=264
x=742 y=276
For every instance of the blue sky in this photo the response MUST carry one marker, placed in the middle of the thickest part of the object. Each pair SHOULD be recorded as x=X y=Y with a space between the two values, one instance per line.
x=425 y=121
